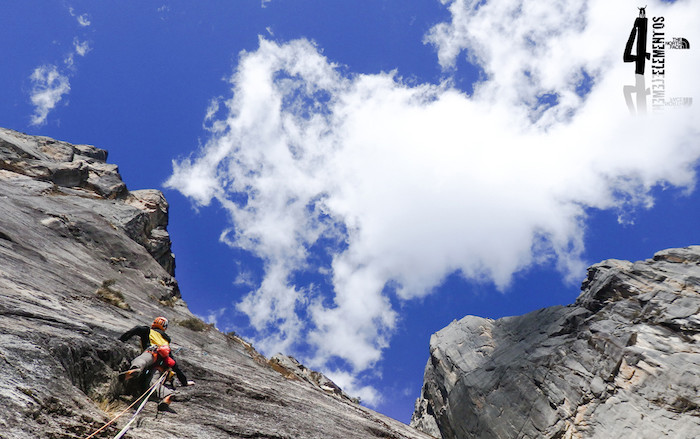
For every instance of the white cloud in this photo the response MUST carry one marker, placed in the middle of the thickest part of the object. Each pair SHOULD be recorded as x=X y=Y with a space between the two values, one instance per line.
x=81 y=47
x=48 y=88
x=245 y=277
x=404 y=185
x=213 y=316
x=83 y=19
x=164 y=12
x=49 y=84
x=69 y=60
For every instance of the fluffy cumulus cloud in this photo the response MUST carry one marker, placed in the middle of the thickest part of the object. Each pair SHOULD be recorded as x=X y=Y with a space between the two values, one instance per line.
x=48 y=88
x=51 y=82
x=376 y=189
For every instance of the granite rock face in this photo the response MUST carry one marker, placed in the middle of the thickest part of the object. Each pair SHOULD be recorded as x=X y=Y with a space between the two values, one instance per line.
x=58 y=168
x=82 y=260
x=622 y=361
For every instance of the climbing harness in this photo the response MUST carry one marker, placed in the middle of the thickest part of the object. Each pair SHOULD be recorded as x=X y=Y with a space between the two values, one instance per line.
x=147 y=394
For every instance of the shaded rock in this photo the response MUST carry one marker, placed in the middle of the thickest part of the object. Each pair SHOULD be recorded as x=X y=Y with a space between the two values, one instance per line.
x=622 y=361
x=150 y=230
x=75 y=272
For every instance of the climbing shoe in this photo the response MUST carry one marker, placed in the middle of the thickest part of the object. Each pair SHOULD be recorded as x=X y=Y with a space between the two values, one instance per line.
x=129 y=374
x=165 y=407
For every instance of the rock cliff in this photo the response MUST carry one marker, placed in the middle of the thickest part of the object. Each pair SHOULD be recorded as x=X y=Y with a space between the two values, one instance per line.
x=622 y=361
x=82 y=259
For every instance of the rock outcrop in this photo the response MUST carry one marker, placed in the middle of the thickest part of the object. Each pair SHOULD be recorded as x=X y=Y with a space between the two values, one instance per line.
x=622 y=361
x=291 y=368
x=58 y=168
x=82 y=260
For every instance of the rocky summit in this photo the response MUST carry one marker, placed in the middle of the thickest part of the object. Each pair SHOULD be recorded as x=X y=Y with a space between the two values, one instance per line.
x=622 y=362
x=83 y=259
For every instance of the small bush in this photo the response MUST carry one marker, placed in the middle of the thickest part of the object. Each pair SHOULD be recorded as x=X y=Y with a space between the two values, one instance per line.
x=110 y=406
x=195 y=324
x=109 y=295
x=169 y=302
x=165 y=300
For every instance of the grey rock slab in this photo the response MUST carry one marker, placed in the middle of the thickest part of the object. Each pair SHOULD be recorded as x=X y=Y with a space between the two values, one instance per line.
x=61 y=249
x=622 y=361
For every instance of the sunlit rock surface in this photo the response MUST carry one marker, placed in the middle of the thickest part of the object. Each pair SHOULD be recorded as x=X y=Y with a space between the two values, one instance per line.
x=82 y=259
x=623 y=361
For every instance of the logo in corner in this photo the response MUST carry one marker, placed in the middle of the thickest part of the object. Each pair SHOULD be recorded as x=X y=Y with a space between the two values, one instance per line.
x=657 y=59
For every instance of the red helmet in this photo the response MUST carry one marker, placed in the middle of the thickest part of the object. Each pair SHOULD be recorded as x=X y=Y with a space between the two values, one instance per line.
x=160 y=323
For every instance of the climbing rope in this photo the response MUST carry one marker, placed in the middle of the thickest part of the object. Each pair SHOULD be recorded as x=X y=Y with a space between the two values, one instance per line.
x=145 y=400
x=147 y=395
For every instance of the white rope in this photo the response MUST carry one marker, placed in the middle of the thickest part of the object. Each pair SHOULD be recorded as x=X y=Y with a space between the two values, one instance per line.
x=145 y=400
x=123 y=411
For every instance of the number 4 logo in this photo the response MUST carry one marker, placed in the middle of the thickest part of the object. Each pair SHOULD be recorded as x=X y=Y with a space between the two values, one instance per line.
x=640 y=31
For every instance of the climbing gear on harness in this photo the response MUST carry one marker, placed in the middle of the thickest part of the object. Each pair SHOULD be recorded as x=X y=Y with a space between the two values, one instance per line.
x=163 y=351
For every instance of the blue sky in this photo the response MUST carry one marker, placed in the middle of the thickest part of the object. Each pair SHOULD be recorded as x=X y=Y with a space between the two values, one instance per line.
x=347 y=178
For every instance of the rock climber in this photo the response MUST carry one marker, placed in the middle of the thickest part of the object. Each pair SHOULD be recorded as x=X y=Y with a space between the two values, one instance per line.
x=156 y=357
